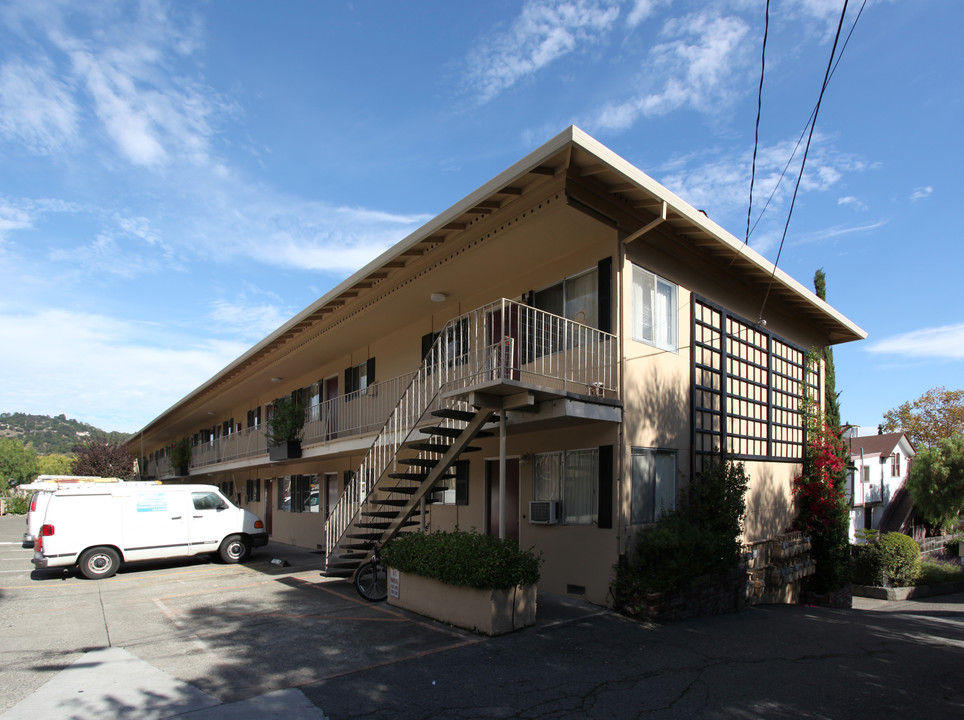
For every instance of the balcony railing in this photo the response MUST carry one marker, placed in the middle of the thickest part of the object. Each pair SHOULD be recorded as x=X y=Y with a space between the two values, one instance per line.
x=357 y=413
x=502 y=343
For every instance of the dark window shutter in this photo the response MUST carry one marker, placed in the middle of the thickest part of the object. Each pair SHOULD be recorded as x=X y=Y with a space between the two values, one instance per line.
x=428 y=339
x=371 y=371
x=462 y=482
x=605 y=509
x=605 y=300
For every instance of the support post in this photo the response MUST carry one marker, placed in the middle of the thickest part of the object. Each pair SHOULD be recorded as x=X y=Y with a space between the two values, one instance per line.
x=502 y=481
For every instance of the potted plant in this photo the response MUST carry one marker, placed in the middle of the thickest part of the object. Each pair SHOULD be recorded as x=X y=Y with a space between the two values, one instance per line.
x=284 y=429
x=181 y=456
x=466 y=579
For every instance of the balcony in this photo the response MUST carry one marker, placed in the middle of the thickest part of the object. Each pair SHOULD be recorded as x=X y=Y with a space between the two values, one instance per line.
x=502 y=350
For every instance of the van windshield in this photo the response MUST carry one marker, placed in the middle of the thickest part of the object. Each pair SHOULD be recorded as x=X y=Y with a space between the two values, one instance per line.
x=207 y=501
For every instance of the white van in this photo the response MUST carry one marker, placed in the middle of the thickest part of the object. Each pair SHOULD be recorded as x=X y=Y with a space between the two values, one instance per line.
x=42 y=488
x=97 y=527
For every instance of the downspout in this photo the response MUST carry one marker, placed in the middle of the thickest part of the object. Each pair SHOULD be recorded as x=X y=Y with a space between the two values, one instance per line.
x=621 y=531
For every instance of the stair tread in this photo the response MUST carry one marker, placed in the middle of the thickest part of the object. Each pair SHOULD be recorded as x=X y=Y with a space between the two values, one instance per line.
x=417 y=477
x=453 y=414
x=419 y=462
x=438 y=447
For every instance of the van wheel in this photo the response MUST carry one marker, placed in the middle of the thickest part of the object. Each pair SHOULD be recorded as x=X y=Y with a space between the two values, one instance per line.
x=99 y=562
x=234 y=549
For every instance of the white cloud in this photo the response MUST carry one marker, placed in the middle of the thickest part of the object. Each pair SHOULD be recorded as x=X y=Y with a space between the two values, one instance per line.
x=718 y=181
x=13 y=217
x=939 y=343
x=288 y=232
x=250 y=322
x=126 y=247
x=542 y=33
x=36 y=109
x=697 y=59
x=642 y=10
x=921 y=193
x=852 y=201
x=114 y=374
x=124 y=60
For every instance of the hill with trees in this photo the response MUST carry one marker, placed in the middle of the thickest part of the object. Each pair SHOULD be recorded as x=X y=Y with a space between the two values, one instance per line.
x=53 y=435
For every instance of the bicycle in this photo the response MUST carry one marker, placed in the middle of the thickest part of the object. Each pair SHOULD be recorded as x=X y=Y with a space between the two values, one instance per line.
x=371 y=578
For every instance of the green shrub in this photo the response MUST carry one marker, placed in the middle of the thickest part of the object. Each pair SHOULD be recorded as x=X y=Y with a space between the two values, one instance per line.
x=953 y=547
x=16 y=505
x=867 y=565
x=463 y=558
x=934 y=572
x=701 y=538
x=900 y=559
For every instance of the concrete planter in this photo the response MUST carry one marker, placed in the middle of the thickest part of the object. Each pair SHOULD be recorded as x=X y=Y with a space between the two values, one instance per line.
x=285 y=451
x=489 y=612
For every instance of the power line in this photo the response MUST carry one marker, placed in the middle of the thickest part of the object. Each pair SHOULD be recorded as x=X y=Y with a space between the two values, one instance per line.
x=806 y=151
x=759 y=107
x=803 y=132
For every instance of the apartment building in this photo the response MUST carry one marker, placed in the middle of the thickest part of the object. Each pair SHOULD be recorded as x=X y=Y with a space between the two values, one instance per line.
x=550 y=359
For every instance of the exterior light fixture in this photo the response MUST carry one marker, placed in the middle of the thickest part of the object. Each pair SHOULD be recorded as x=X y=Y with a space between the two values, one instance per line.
x=439 y=297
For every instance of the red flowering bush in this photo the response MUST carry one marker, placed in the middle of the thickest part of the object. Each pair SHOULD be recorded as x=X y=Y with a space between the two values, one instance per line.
x=822 y=508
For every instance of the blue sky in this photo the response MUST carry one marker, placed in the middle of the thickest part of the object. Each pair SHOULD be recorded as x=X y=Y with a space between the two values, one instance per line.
x=178 y=179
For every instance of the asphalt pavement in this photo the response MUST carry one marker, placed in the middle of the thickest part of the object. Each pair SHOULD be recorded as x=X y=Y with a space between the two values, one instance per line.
x=202 y=640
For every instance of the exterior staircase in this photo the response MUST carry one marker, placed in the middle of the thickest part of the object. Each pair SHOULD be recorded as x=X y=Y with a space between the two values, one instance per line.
x=502 y=346
x=394 y=505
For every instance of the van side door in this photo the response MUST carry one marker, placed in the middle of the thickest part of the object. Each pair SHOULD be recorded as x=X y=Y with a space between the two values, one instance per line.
x=155 y=525
x=212 y=519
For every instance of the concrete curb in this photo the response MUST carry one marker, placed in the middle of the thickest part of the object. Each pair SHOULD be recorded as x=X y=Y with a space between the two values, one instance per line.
x=905 y=593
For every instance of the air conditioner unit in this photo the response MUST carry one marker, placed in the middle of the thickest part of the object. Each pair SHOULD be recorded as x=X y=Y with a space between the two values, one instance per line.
x=543 y=512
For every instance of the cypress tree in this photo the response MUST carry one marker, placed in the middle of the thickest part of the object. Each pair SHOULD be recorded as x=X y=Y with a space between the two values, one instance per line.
x=831 y=396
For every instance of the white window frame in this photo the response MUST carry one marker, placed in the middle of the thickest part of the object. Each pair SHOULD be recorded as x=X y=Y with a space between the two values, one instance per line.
x=650 y=292
x=662 y=490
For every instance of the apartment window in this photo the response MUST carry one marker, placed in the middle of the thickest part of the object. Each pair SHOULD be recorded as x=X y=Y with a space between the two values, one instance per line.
x=298 y=493
x=865 y=473
x=254 y=491
x=655 y=310
x=227 y=427
x=895 y=465
x=570 y=478
x=360 y=377
x=653 y=484
x=449 y=351
x=456 y=490
x=254 y=417
x=574 y=298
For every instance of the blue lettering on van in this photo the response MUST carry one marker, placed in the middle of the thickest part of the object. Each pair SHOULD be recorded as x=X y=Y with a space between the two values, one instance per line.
x=152 y=503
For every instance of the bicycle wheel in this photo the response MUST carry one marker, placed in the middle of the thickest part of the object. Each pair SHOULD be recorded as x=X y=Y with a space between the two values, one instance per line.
x=371 y=581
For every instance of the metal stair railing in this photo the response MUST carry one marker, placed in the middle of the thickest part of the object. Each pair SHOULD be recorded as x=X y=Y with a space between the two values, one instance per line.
x=502 y=341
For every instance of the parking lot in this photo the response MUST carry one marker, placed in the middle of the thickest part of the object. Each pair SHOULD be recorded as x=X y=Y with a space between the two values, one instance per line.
x=201 y=639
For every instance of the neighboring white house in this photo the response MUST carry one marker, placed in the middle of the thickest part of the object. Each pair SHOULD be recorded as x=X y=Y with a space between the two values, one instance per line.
x=879 y=470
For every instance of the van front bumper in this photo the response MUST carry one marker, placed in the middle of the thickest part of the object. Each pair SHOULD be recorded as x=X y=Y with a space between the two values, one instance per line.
x=259 y=540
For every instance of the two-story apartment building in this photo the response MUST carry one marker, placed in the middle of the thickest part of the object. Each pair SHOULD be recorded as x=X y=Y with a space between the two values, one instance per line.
x=550 y=359
x=879 y=468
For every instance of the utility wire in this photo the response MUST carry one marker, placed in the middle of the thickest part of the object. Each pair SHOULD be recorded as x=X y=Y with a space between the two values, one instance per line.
x=759 y=107
x=803 y=132
x=806 y=150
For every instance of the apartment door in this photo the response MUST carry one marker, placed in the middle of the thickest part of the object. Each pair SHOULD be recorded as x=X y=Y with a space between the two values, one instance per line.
x=502 y=341
x=330 y=393
x=268 y=505
x=511 y=497
x=331 y=492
